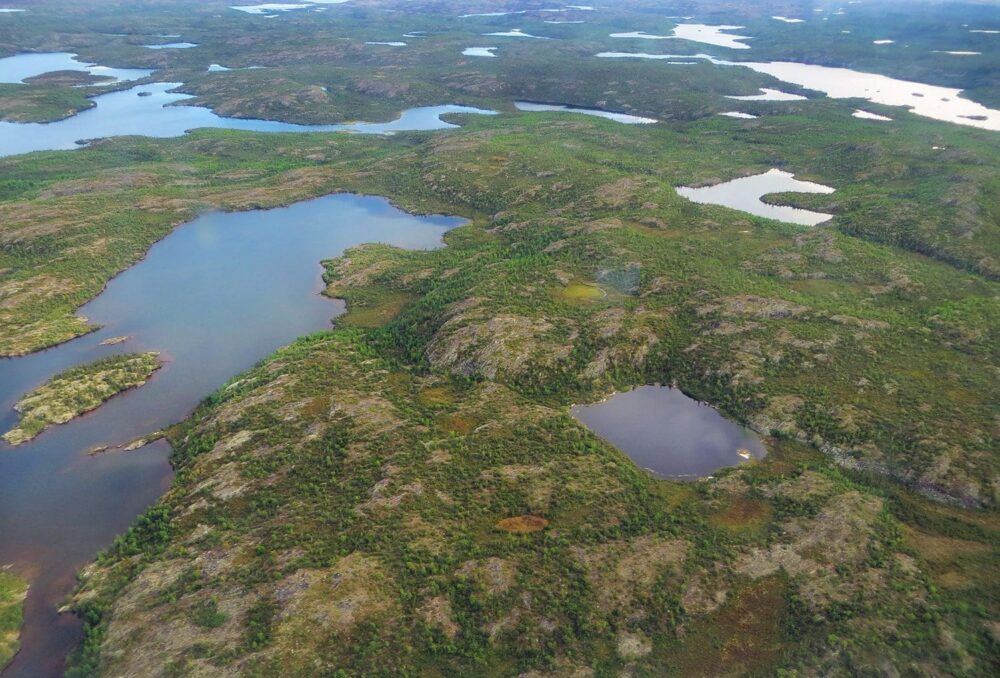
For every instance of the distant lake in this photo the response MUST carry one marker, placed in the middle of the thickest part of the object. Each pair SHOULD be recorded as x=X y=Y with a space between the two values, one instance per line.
x=173 y=45
x=530 y=106
x=745 y=194
x=145 y=110
x=669 y=434
x=214 y=297
x=931 y=101
x=20 y=67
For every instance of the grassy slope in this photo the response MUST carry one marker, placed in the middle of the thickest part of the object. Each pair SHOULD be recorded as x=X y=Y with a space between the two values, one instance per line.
x=24 y=103
x=78 y=390
x=901 y=338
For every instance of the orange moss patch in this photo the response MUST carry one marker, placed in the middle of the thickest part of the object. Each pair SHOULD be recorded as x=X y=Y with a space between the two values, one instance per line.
x=742 y=514
x=952 y=563
x=316 y=407
x=376 y=315
x=459 y=423
x=436 y=395
x=522 y=524
x=744 y=637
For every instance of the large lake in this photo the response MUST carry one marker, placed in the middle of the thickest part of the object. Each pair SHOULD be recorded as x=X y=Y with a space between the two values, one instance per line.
x=931 y=101
x=146 y=110
x=669 y=434
x=214 y=296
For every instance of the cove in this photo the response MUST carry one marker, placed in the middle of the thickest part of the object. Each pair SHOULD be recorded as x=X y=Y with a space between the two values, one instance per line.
x=145 y=110
x=745 y=194
x=669 y=434
x=215 y=296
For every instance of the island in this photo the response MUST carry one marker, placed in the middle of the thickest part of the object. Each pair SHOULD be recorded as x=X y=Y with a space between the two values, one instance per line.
x=78 y=390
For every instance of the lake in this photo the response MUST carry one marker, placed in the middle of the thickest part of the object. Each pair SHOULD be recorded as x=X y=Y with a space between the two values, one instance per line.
x=214 y=297
x=930 y=101
x=530 y=106
x=20 y=67
x=126 y=112
x=146 y=110
x=709 y=35
x=669 y=434
x=745 y=194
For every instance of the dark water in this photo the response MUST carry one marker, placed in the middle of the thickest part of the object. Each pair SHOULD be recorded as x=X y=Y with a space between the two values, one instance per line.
x=214 y=297
x=124 y=113
x=669 y=434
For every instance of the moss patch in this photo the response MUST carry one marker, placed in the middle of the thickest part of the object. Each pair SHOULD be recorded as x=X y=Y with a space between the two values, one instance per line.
x=522 y=524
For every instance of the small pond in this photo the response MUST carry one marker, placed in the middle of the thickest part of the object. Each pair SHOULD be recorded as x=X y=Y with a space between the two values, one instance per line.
x=669 y=434
x=479 y=51
x=173 y=45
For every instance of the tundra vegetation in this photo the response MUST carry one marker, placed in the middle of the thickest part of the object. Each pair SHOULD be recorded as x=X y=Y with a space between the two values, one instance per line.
x=13 y=590
x=407 y=493
x=78 y=390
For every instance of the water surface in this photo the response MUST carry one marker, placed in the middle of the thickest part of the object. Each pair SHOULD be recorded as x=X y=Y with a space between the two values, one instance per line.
x=931 y=101
x=516 y=33
x=868 y=115
x=669 y=434
x=768 y=94
x=20 y=67
x=529 y=106
x=126 y=112
x=173 y=45
x=268 y=7
x=745 y=194
x=479 y=51
x=709 y=35
x=214 y=297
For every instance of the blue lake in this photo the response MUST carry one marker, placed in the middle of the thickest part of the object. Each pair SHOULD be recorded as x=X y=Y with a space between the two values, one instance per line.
x=214 y=297
x=146 y=110
x=19 y=67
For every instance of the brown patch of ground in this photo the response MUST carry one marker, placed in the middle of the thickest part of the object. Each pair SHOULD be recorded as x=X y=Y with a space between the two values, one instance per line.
x=743 y=638
x=742 y=513
x=377 y=314
x=952 y=563
x=522 y=524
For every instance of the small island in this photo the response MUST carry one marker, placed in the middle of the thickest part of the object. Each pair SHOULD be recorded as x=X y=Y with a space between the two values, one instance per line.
x=78 y=390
